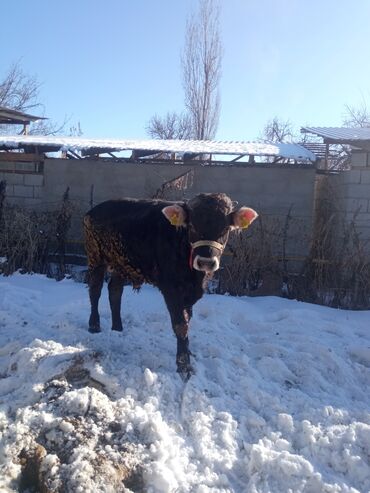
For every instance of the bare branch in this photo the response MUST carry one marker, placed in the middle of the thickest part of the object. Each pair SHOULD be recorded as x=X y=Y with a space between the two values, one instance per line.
x=171 y=126
x=181 y=182
x=201 y=63
x=357 y=116
x=18 y=90
x=277 y=130
x=48 y=127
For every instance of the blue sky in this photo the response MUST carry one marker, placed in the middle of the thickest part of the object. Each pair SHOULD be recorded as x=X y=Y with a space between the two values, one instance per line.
x=112 y=64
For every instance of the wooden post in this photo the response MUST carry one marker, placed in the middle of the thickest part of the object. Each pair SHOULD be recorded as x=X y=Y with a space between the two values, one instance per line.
x=327 y=156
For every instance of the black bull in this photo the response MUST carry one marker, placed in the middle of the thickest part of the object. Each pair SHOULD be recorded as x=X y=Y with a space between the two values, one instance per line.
x=175 y=246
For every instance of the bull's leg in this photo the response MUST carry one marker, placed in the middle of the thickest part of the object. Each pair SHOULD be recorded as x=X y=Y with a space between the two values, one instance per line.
x=180 y=318
x=96 y=279
x=115 y=289
x=183 y=355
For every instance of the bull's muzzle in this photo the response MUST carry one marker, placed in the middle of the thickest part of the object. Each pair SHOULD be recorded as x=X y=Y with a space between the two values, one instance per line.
x=206 y=264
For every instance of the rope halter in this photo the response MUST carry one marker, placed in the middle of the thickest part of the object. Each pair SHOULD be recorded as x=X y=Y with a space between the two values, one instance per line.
x=200 y=243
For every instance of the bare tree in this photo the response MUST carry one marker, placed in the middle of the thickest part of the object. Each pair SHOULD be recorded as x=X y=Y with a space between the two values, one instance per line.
x=50 y=127
x=172 y=126
x=201 y=64
x=47 y=127
x=277 y=130
x=357 y=116
x=20 y=91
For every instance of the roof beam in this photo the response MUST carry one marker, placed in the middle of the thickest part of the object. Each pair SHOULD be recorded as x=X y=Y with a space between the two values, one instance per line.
x=74 y=154
x=137 y=154
x=238 y=157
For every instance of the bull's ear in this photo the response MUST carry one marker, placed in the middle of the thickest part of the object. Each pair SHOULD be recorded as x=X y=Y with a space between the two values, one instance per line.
x=175 y=214
x=243 y=217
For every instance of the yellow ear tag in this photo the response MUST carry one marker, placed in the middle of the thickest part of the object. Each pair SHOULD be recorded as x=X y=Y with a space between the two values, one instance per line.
x=176 y=219
x=244 y=221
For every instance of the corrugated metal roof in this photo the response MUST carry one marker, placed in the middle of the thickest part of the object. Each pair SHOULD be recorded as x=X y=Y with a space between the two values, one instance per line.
x=340 y=133
x=8 y=115
x=318 y=148
x=289 y=151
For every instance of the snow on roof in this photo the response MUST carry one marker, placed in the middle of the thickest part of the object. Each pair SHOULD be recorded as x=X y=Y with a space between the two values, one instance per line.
x=340 y=133
x=285 y=150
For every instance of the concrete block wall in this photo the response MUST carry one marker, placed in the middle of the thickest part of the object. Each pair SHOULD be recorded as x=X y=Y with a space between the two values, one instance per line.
x=353 y=192
x=23 y=188
x=272 y=191
x=360 y=159
x=24 y=181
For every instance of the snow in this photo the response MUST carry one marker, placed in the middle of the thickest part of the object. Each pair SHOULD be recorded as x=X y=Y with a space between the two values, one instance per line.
x=279 y=401
x=284 y=149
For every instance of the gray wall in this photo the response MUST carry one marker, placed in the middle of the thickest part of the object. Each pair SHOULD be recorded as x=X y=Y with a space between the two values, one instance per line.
x=271 y=190
x=25 y=185
x=352 y=192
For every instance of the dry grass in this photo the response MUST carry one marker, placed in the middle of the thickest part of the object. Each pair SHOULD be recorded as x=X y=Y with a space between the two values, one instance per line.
x=28 y=238
x=251 y=262
x=25 y=239
x=336 y=271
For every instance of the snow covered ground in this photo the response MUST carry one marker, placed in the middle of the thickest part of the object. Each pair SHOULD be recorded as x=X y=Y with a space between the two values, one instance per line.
x=280 y=401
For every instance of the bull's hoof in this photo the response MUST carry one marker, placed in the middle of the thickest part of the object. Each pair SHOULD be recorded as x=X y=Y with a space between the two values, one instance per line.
x=118 y=329
x=184 y=368
x=94 y=330
x=94 y=326
x=185 y=372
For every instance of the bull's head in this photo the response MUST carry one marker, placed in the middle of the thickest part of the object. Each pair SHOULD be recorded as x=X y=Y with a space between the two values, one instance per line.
x=209 y=218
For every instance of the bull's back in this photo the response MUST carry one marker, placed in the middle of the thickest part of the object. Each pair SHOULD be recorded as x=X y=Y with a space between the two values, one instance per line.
x=123 y=234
